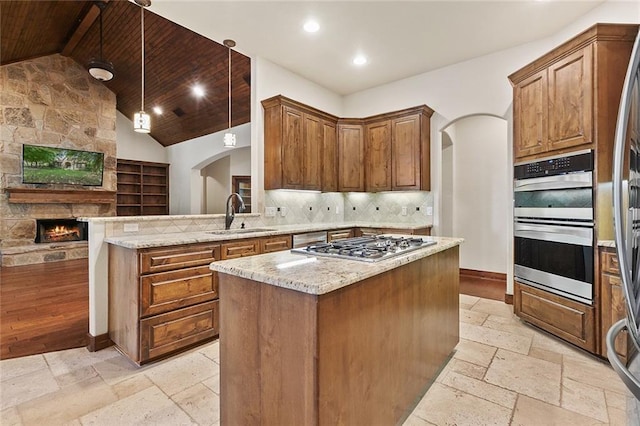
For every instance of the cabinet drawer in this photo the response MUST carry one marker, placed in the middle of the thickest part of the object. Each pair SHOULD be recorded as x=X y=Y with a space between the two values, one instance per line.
x=165 y=259
x=562 y=317
x=166 y=291
x=240 y=249
x=276 y=243
x=166 y=333
x=341 y=234
x=610 y=262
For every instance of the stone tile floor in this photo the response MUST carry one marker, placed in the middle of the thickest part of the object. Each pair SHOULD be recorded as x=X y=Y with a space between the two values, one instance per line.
x=502 y=373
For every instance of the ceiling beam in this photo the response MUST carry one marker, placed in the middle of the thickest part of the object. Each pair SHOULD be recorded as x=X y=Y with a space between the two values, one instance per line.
x=92 y=14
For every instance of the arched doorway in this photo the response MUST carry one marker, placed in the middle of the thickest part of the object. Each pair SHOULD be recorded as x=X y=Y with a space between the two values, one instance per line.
x=477 y=191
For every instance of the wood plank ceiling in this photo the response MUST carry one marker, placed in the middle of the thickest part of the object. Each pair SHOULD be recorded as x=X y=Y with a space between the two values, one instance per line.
x=175 y=60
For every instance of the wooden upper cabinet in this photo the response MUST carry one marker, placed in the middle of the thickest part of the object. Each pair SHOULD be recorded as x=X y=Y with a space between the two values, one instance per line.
x=351 y=157
x=556 y=107
x=312 y=152
x=329 y=169
x=305 y=148
x=406 y=151
x=292 y=149
x=294 y=140
x=530 y=116
x=378 y=156
x=570 y=101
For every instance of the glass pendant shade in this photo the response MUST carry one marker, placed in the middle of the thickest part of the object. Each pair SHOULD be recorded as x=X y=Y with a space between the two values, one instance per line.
x=142 y=122
x=229 y=140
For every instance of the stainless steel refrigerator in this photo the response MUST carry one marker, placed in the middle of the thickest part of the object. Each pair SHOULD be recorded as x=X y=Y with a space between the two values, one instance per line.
x=626 y=212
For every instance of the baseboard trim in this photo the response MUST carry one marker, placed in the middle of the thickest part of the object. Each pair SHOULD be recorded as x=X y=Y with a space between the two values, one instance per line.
x=508 y=299
x=97 y=343
x=497 y=276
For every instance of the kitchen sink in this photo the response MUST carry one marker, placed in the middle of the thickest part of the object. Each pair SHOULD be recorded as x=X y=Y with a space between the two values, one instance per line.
x=239 y=231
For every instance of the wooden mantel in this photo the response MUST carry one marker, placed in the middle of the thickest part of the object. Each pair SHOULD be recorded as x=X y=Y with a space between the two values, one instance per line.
x=57 y=196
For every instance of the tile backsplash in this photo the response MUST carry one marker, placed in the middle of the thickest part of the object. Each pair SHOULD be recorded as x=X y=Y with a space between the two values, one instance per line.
x=410 y=207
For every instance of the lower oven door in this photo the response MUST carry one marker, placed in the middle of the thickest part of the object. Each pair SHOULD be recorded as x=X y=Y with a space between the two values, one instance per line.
x=556 y=258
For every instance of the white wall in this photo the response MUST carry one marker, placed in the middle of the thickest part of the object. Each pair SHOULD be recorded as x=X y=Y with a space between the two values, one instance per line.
x=480 y=192
x=217 y=184
x=240 y=162
x=131 y=145
x=188 y=158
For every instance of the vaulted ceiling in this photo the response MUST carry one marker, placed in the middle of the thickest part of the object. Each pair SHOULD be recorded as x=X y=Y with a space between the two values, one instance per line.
x=176 y=59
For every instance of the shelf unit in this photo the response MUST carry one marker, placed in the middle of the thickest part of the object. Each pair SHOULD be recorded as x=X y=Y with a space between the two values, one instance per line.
x=143 y=188
x=242 y=185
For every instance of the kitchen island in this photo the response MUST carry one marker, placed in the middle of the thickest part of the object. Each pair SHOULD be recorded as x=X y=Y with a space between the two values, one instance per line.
x=315 y=341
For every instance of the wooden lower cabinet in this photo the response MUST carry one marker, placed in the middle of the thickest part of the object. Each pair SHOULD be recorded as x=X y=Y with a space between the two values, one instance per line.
x=178 y=329
x=163 y=300
x=340 y=234
x=569 y=320
x=276 y=243
x=152 y=315
x=612 y=304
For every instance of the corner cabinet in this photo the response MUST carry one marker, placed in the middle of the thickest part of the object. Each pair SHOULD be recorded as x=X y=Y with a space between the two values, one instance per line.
x=351 y=157
x=143 y=188
x=309 y=149
x=556 y=106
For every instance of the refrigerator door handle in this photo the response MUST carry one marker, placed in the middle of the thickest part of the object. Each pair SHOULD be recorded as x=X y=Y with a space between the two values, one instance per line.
x=628 y=379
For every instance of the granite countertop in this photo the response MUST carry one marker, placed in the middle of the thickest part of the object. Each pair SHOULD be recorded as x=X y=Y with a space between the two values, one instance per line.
x=319 y=275
x=178 y=238
x=606 y=243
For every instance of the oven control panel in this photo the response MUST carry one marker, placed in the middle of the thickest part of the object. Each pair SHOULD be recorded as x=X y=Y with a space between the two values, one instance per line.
x=555 y=166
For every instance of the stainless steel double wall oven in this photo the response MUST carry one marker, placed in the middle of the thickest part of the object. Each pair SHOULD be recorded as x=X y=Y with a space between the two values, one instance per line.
x=554 y=225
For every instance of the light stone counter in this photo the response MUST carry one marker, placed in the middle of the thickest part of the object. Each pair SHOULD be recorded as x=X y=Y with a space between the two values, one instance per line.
x=173 y=239
x=319 y=275
x=607 y=243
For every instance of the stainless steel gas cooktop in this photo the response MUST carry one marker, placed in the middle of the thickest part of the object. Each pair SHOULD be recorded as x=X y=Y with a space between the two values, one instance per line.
x=367 y=249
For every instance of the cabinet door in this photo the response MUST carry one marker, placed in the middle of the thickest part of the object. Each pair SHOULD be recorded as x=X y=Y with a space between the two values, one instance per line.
x=240 y=248
x=405 y=152
x=378 y=156
x=329 y=157
x=351 y=157
x=313 y=133
x=277 y=243
x=571 y=100
x=613 y=310
x=292 y=149
x=530 y=116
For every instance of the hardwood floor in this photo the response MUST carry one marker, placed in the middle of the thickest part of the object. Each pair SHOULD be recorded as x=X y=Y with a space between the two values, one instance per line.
x=43 y=307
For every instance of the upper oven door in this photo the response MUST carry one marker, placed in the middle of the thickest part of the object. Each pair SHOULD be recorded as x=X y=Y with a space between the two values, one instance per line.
x=568 y=196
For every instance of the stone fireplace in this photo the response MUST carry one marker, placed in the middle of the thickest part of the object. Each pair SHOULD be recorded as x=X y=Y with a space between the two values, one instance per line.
x=51 y=101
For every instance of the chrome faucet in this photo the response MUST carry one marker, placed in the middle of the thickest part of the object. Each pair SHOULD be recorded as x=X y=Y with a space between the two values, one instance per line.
x=230 y=213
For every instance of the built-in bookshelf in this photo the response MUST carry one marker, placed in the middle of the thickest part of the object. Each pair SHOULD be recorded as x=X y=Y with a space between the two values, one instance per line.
x=143 y=188
x=242 y=185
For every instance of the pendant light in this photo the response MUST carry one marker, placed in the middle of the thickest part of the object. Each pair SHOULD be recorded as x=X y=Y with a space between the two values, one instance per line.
x=99 y=68
x=229 y=138
x=142 y=120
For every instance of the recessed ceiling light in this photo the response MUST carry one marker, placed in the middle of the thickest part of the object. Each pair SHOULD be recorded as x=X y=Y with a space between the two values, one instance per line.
x=198 y=91
x=157 y=110
x=360 y=60
x=311 y=26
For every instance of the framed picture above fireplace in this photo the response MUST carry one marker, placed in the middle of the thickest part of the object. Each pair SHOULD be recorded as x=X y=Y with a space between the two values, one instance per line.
x=51 y=165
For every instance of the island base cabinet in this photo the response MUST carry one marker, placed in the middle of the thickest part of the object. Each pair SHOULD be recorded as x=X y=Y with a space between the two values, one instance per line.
x=362 y=354
x=569 y=320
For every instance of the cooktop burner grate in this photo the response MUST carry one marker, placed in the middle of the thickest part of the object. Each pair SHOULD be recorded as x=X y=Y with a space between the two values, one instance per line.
x=366 y=249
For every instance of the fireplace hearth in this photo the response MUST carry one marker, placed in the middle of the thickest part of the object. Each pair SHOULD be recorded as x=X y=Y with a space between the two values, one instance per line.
x=60 y=230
